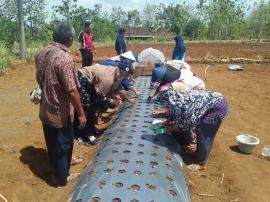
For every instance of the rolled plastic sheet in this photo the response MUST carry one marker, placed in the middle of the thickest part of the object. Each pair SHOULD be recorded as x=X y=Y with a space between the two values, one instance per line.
x=132 y=163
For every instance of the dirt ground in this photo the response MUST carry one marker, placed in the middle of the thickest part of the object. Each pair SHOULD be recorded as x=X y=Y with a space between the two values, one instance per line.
x=25 y=174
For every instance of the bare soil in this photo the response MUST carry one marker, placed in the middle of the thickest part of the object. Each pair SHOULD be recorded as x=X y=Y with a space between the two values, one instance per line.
x=25 y=174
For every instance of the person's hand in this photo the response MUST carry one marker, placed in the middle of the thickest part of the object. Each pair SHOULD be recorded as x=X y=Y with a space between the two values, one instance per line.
x=95 y=51
x=82 y=121
x=149 y=98
x=155 y=113
x=172 y=129
x=166 y=124
x=77 y=53
x=132 y=101
x=137 y=93
x=117 y=102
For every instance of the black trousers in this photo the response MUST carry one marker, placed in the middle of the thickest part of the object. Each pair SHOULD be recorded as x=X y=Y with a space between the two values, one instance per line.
x=206 y=134
x=59 y=143
x=87 y=58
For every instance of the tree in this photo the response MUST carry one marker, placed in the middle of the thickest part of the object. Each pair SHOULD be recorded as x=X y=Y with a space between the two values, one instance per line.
x=9 y=22
x=66 y=9
x=194 y=29
x=176 y=17
x=226 y=18
x=79 y=15
x=118 y=18
x=34 y=15
x=152 y=16
x=21 y=30
x=259 y=21
x=134 y=18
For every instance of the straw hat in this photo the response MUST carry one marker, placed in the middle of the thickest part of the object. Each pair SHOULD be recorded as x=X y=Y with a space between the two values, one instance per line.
x=128 y=55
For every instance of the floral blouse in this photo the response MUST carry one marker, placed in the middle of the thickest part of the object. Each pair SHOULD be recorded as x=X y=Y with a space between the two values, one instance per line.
x=188 y=108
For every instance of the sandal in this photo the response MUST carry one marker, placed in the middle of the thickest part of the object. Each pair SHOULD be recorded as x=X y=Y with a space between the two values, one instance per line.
x=75 y=161
x=92 y=140
x=102 y=126
x=102 y=120
x=112 y=110
x=196 y=167
x=72 y=176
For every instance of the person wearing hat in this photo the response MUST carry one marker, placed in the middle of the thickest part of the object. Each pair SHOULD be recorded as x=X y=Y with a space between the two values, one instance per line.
x=86 y=44
x=98 y=89
x=127 y=57
x=120 y=45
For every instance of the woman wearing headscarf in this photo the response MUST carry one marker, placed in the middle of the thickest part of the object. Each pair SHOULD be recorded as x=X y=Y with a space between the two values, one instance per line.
x=202 y=110
x=179 y=79
x=179 y=51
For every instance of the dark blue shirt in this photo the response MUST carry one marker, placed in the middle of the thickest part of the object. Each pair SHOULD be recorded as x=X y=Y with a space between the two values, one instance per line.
x=120 y=45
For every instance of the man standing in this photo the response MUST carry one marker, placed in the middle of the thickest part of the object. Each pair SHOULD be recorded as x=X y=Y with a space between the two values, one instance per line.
x=55 y=73
x=86 y=44
x=120 y=45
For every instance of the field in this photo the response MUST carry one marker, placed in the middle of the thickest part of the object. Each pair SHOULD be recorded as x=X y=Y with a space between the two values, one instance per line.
x=24 y=166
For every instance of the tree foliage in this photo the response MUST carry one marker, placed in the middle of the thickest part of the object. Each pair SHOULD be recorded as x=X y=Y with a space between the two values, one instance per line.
x=259 y=21
x=209 y=19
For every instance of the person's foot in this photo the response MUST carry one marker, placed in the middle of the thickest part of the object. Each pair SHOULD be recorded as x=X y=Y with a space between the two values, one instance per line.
x=80 y=140
x=72 y=176
x=59 y=183
x=191 y=148
x=75 y=161
x=102 y=120
x=196 y=167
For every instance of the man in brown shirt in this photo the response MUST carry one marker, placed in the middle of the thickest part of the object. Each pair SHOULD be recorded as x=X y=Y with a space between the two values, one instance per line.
x=55 y=73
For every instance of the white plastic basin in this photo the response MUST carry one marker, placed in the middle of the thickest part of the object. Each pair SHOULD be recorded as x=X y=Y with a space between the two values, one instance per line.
x=247 y=143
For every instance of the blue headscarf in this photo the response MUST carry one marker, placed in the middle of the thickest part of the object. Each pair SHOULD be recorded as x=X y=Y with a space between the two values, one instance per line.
x=178 y=40
x=158 y=73
x=180 y=48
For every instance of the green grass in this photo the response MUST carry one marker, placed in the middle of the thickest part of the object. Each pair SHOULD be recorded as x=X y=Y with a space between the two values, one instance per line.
x=31 y=49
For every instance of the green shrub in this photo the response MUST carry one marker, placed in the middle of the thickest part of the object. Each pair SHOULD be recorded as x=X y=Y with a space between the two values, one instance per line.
x=5 y=58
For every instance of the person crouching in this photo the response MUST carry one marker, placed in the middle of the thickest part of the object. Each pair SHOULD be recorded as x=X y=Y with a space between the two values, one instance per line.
x=202 y=110
x=98 y=86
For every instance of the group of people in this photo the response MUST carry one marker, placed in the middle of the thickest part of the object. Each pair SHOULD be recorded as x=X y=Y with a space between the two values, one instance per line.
x=86 y=43
x=78 y=101
x=82 y=101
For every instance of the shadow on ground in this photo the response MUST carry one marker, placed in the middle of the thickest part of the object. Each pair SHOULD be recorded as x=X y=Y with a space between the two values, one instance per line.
x=235 y=148
x=38 y=162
